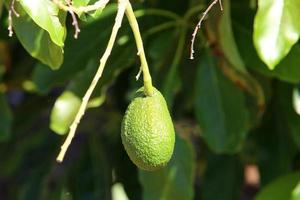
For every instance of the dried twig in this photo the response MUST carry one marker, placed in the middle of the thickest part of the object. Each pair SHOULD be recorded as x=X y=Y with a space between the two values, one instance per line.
x=10 y=12
x=198 y=26
x=75 y=22
x=85 y=99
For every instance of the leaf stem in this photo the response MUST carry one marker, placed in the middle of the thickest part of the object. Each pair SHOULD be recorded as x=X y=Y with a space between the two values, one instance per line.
x=148 y=88
x=73 y=127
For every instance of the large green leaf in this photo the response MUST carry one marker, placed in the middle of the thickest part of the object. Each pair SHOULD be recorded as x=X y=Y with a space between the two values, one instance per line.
x=220 y=108
x=223 y=178
x=287 y=70
x=174 y=182
x=280 y=189
x=47 y=16
x=276 y=29
x=5 y=118
x=36 y=40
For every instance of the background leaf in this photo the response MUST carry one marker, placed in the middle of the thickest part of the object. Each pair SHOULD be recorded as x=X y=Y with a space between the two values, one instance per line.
x=220 y=108
x=216 y=181
x=280 y=189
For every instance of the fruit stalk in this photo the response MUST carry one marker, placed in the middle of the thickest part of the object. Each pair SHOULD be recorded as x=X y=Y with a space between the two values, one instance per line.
x=139 y=43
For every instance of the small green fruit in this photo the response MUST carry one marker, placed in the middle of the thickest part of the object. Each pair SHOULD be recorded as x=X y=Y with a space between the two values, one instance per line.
x=147 y=131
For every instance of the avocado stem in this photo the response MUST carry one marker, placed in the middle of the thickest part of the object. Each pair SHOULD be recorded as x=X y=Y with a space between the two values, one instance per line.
x=148 y=88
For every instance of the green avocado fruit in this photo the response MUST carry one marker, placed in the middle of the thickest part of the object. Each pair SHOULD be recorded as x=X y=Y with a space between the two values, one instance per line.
x=147 y=131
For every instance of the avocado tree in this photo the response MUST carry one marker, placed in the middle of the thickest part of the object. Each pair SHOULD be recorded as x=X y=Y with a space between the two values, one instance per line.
x=170 y=100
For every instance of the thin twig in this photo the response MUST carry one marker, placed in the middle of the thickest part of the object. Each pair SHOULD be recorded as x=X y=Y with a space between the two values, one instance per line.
x=198 y=26
x=75 y=22
x=85 y=99
x=10 y=12
x=148 y=88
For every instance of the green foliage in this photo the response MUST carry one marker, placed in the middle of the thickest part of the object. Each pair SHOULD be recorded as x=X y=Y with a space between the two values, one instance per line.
x=236 y=104
x=37 y=41
x=220 y=108
x=280 y=189
x=276 y=29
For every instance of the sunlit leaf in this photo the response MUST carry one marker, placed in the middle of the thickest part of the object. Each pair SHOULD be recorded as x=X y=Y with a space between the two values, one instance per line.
x=287 y=70
x=36 y=40
x=47 y=16
x=276 y=29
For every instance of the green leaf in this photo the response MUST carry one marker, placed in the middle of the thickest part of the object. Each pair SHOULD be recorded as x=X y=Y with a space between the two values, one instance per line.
x=167 y=183
x=227 y=40
x=5 y=118
x=276 y=29
x=220 y=109
x=223 y=178
x=36 y=40
x=47 y=16
x=279 y=189
x=287 y=70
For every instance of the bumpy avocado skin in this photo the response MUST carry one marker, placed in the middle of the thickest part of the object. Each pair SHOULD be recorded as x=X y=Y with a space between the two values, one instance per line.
x=147 y=131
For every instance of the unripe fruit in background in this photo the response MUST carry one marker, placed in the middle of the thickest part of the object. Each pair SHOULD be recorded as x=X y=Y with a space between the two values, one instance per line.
x=147 y=131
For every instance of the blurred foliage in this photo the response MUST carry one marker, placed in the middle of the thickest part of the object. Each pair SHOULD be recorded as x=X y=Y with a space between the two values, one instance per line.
x=229 y=108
